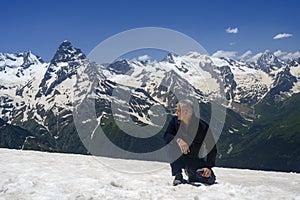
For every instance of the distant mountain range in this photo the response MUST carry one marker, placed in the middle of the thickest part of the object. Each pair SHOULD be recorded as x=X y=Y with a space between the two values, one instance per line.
x=261 y=130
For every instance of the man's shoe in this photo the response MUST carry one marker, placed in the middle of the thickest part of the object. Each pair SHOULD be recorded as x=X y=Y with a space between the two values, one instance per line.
x=178 y=179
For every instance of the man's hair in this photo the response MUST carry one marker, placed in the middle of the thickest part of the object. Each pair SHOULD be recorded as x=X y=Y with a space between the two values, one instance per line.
x=186 y=104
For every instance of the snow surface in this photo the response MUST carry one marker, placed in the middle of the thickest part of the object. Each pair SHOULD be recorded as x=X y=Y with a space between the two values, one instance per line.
x=40 y=175
x=12 y=65
x=295 y=71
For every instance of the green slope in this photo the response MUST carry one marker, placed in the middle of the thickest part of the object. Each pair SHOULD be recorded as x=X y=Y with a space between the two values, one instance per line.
x=272 y=142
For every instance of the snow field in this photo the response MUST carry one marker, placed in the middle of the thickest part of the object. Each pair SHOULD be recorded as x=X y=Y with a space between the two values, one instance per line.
x=40 y=175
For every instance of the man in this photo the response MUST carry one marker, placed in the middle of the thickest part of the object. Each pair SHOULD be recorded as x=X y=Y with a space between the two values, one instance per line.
x=191 y=146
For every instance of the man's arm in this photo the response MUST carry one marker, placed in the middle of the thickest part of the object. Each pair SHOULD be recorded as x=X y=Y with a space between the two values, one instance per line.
x=171 y=130
x=184 y=147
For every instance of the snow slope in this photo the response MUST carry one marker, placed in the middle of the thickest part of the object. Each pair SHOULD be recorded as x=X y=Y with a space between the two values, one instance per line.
x=18 y=69
x=39 y=175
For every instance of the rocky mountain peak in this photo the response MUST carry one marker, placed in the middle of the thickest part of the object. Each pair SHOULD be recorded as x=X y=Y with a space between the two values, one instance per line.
x=170 y=58
x=18 y=68
x=120 y=67
x=30 y=59
x=268 y=56
x=23 y=59
x=268 y=62
x=66 y=52
x=63 y=66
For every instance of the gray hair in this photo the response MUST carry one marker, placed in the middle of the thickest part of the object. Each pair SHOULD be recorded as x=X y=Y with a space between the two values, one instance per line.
x=186 y=104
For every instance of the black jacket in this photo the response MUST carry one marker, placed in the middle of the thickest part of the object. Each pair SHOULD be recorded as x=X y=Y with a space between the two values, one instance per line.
x=196 y=134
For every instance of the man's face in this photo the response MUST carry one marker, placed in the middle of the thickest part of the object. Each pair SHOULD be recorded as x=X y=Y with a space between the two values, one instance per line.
x=178 y=112
x=182 y=115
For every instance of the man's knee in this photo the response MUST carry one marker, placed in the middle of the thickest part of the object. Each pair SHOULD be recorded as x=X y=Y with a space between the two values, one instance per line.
x=209 y=181
x=193 y=177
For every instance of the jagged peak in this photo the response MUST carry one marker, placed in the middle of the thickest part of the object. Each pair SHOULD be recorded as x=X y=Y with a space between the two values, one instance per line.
x=170 y=57
x=268 y=55
x=30 y=57
x=67 y=52
x=24 y=59
x=193 y=54
x=267 y=61
x=120 y=66
x=66 y=44
x=269 y=58
x=21 y=54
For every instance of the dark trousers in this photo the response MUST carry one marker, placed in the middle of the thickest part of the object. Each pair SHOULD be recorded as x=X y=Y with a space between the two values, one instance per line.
x=190 y=165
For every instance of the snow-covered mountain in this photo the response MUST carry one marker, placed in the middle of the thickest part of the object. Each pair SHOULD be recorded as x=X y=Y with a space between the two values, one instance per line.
x=17 y=69
x=39 y=175
x=42 y=97
x=26 y=80
x=267 y=61
x=240 y=84
x=35 y=87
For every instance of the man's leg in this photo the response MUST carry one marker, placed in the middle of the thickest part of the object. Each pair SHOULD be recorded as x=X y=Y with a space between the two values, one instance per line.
x=176 y=168
x=175 y=158
x=178 y=165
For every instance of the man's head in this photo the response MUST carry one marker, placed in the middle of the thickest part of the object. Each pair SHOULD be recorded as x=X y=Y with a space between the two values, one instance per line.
x=184 y=110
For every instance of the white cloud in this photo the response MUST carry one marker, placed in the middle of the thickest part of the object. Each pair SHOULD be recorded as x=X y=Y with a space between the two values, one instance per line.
x=143 y=58
x=282 y=35
x=246 y=55
x=290 y=56
x=232 y=30
x=249 y=57
x=228 y=54
x=255 y=57
x=278 y=53
x=286 y=55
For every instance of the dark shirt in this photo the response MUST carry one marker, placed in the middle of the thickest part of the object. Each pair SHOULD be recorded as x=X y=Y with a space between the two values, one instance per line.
x=195 y=134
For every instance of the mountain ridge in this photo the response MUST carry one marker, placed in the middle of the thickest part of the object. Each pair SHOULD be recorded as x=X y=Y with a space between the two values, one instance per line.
x=45 y=103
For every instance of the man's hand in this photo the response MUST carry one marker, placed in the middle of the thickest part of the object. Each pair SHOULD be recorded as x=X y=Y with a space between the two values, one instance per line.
x=184 y=147
x=206 y=172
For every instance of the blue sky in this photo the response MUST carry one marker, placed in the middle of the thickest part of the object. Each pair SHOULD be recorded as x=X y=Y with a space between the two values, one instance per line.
x=40 y=26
